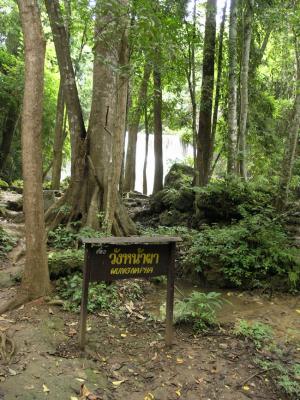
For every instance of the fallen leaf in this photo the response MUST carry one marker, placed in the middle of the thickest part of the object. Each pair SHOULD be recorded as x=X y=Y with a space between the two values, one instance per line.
x=149 y=396
x=178 y=393
x=123 y=335
x=118 y=383
x=298 y=311
x=45 y=389
x=246 y=388
x=12 y=372
x=73 y=398
x=84 y=391
x=179 y=361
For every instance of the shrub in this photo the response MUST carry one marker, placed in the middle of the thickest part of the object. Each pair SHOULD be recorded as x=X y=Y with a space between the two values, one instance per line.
x=62 y=238
x=247 y=253
x=228 y=199
x=199 y=308
x=101 y=296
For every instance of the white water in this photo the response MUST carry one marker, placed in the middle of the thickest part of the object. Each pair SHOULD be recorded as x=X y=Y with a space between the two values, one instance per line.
x=173 y=151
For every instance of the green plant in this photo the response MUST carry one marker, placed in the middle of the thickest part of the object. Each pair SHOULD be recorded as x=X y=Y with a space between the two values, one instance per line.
x=7 y=242
x=258 y=332
x=3 y=184
x=199 y=308
x=101 y=296
x=62 y=238
x=286 y=377
x=250 y=252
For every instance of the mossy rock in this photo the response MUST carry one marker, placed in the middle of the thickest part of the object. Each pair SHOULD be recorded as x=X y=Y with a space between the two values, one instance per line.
x=65 y=262
x=179 y=175
x=173 y=218
x=184 y=200
x=163 y=200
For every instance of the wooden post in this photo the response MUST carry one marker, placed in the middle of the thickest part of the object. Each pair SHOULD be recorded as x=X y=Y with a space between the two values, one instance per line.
x=170 y=297
x=84 y=300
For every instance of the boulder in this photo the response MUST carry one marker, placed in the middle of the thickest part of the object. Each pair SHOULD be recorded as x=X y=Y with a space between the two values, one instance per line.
x=179 y=175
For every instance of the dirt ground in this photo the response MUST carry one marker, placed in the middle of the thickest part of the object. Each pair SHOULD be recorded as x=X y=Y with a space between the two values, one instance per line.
x=126 y=359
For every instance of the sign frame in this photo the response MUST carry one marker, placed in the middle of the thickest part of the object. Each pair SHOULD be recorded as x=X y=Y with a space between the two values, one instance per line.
x=96 y=253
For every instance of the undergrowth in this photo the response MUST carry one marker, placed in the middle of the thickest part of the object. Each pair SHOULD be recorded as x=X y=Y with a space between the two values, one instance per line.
x=7 y=242
x=198 y=309
x=250 y=253
x=102 y=296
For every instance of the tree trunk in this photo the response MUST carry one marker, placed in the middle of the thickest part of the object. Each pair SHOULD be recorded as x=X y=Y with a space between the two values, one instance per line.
x=244 y=87
x=205 y=144
x=292 y=140
x=7 y=136
x=232 y=96
x=67 y=74
x=191 y=80
x=35 y=281
x=107 y=121
x=92 y=196
x=59 y=137
x=133 y=127
x=218 y=85
x=157 y=111
x=145 y=184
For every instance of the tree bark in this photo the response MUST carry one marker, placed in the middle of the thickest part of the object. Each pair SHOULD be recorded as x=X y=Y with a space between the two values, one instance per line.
x=292 y=140
x=157 y=111
x=232 y=96
x=218 y=85
x=35 y=281
x=7 y=136
x=133 y=127
x=61 y=43
x=205 y=144
x=145 y=183
x=59 y=137
x=191 y=80
x=92 y=196
x=244 y=105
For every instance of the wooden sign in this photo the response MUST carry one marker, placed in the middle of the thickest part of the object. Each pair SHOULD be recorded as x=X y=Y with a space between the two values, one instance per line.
x=113 y=258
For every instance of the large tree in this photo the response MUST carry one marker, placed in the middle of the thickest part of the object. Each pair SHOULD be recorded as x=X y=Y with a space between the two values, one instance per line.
x=232 y=87
x=93 y=195
x=35 y=280
x=204 y=142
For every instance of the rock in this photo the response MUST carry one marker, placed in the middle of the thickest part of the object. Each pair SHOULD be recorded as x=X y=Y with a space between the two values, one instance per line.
x=223 y=346
x=185 y=199
x=179 y=175
x=15 y=205
x=65 y=262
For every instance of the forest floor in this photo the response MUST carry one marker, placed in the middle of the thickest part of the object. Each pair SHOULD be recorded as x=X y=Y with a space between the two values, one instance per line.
x=126 y=358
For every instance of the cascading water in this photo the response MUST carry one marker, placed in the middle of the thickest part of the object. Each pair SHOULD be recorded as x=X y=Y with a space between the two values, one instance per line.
x=173 y=151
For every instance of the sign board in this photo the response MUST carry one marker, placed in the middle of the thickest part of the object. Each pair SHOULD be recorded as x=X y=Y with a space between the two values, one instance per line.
x=112 y=258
